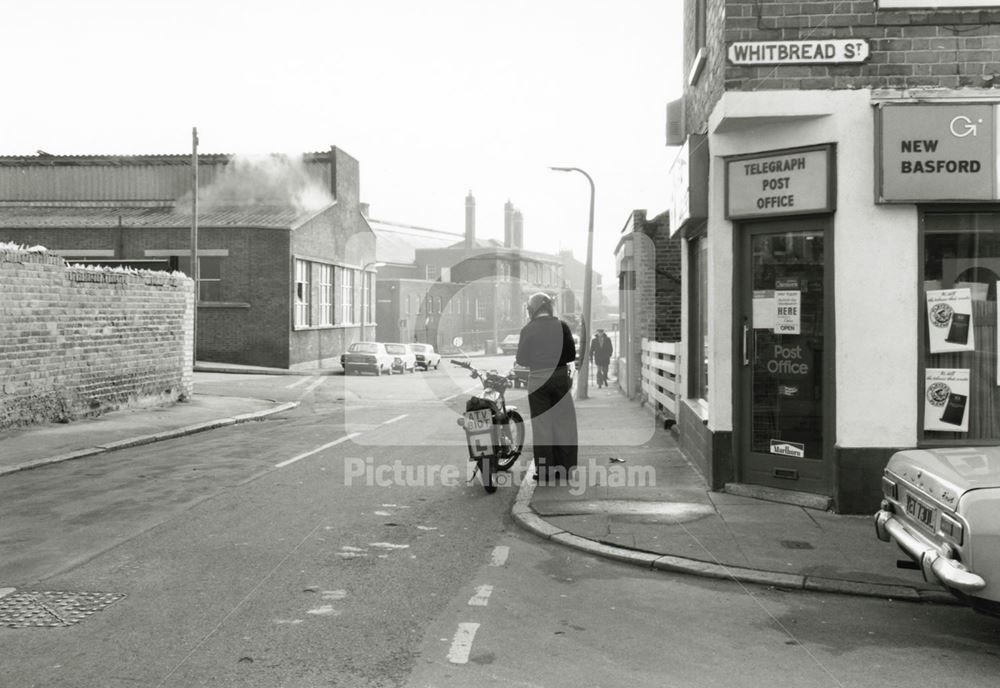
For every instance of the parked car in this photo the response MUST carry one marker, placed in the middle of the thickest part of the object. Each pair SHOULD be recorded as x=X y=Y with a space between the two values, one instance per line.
x=509 y=344
x=366 y=356
x=427 y=357
x=942 y=507
x=403 y=357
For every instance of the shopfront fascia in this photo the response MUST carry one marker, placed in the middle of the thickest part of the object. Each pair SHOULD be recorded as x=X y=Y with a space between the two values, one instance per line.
x=942 y=157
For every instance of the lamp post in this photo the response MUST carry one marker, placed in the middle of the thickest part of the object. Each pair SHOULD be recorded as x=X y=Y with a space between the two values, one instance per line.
x=371 y=291
x=582 y=378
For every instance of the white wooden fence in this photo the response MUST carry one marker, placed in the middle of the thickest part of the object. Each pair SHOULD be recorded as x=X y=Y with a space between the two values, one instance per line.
x=661 y=376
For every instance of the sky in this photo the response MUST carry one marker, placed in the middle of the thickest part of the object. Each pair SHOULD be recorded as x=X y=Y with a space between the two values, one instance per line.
x=434 y=98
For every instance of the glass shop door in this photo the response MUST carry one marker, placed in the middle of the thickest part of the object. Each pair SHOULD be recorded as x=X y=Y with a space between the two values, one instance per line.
x=784 y=357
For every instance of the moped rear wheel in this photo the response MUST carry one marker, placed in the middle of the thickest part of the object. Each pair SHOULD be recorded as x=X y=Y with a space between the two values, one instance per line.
x=487 y=473
x=511 y=441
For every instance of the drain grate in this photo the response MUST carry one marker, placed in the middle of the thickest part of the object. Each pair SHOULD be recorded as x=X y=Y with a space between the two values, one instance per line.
x=796 y=544
x=26 y=608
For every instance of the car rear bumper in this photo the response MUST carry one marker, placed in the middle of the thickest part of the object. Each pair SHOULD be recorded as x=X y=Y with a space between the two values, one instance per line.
x=936 y=567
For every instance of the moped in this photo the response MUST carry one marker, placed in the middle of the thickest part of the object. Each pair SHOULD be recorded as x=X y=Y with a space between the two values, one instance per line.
x=494 y=431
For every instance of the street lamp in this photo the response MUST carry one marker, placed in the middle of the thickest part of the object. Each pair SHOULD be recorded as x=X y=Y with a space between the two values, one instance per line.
x=582 y=378
x=364 y=306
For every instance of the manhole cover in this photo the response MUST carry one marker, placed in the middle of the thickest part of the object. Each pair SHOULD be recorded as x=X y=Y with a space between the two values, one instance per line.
x=796 y=544
x=25 y=608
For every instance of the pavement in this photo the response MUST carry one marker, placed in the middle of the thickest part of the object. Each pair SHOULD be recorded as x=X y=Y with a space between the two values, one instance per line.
x=635 y=498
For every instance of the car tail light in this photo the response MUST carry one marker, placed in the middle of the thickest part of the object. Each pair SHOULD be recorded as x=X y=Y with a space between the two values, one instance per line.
x=890 y=489
x=951 y=528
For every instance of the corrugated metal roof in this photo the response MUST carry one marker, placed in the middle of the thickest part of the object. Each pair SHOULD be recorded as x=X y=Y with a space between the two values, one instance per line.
x=48 y=160
x=32 y=217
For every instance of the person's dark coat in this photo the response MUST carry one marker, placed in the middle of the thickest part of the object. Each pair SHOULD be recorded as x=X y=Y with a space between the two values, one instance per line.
x=546 y=348
x=601 y=349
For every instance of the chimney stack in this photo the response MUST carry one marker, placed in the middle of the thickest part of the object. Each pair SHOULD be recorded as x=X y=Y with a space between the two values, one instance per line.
x=518 y=239
x=470 y=221
x=508 y=224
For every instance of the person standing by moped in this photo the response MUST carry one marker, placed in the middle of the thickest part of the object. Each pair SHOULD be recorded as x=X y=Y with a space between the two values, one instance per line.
x=546 y=348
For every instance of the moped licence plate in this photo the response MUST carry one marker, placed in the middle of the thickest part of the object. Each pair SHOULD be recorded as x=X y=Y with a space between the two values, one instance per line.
x=478 y=420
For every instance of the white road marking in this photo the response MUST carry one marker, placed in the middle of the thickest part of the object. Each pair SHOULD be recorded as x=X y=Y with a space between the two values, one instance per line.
x=313 y=386
x=293 y=622
x=463 y=392
x=461 y=644
x=393 y=420
x=500 y=554
x=387 y=545
x=325 y=610
x=482 y=596
x=426 y=527
x=316 y=450
x=383 y=513
x=298 y=382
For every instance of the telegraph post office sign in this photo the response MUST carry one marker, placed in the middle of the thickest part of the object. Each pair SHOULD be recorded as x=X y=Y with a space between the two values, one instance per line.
x=939 y=152
x=836 y=51
x=787 y=182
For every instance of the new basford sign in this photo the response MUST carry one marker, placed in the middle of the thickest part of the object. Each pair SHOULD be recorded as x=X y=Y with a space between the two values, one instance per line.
x=937 y=152
x=840 y=50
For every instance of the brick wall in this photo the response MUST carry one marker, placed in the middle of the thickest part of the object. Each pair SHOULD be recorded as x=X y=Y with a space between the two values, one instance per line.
x=666 y=326
x=911 y=48
x=908 y=48
x=77 y=342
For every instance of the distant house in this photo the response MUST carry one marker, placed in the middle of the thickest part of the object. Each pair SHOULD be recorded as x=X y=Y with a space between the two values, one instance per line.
x=286 y=257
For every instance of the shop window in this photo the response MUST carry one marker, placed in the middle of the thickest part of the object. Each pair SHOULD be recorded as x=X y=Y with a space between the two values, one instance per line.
x=960 y=394
x=698 y=323
x=301 y=294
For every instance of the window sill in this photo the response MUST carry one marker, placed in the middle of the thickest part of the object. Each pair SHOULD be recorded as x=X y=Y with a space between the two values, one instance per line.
x=699 y=407
x=222 y=304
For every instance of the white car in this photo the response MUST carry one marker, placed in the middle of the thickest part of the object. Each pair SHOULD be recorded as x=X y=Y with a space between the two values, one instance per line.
x=942 y=508
x=366 y=356
x=403 y=357
x=509 y=344
x=427 y=357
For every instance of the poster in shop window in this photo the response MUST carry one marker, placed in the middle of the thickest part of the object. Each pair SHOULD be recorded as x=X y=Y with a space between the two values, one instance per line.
x=949 y=320
x=946 y=399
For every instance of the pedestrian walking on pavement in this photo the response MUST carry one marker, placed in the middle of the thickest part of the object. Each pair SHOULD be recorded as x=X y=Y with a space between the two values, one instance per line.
x=546 y=348
x=601 y=349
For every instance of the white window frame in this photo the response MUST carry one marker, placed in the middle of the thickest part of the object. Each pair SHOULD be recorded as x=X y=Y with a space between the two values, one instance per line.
x=346 y=291
x=302 y=311
x=324 y=283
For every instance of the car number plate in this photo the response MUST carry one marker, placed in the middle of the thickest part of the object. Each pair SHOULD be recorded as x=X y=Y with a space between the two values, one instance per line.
x=478 y=420
x=920 y=511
